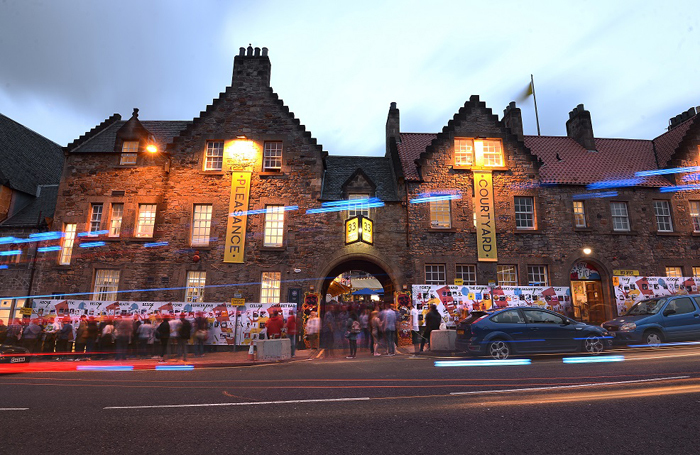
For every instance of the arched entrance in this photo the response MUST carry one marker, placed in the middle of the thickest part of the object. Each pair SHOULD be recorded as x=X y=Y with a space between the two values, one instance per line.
x=587 y=293
x=363 y=264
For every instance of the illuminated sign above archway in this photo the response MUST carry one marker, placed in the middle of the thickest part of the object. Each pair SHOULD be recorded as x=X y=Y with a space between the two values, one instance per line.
x=359 y=229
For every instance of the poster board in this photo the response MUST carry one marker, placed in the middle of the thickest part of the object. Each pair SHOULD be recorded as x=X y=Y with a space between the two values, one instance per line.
x=632 y=289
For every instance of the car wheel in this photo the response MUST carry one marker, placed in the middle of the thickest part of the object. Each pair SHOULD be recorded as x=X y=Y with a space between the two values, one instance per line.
x=593 y=344
x=499 y=350
x=653 y=338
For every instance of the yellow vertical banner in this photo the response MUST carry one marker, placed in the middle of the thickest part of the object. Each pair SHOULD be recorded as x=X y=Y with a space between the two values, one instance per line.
x=237 y=218
x=485 y=216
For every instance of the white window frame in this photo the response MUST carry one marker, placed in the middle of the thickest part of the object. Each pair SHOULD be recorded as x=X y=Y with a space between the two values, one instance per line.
x=579 y=214
x=435 y=274
x=537 y=275
x=129 y=153
x=196 y=283
x=270 y=287
x=440 y=214
x=467 y=273
x=662 y=211
x=214 y=156
x=491 y=152
x=524 y=207
x=272 y=156
x=359 y=209
x=95 y=218
x=620 y=216
x=106 y=284
x=274 y=226
x=145 y=225
x=478 y=152
x=464 y=152
x=674 y=271
x=695 y=215
x=115 y=219
x=507 y=274
x=201 y=224
x=69 y=231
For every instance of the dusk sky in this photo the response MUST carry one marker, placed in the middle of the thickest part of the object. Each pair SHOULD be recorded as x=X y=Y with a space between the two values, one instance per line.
x=68 y=65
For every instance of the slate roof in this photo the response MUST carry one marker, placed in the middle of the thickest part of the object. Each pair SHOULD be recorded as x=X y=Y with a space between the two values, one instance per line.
x=34 y=214
x=28 y=158
x=103 y=141
x=340 y=168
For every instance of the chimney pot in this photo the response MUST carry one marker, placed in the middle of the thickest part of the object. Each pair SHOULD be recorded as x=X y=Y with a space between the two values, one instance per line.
x=241 y=51
x=393 y=105
x=250 y=51
x=579 y=127
x=257 y=52
x=136 y=112
x=264 y=52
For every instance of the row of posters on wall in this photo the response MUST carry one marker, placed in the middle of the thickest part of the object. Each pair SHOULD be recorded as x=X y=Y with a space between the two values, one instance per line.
x=632 y=289
x=229 y=324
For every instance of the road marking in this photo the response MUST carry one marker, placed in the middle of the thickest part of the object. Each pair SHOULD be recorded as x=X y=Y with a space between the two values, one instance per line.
x=14 y=409
x=253 y=403
x=571 y=386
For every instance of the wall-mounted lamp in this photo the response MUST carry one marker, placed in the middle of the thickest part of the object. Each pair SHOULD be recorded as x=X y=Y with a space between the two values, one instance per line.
x=404 y=287
x=311 y=287
x=587 y=251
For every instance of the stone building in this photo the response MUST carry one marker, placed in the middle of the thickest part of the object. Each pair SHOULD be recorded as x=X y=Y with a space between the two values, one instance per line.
x=242 y=202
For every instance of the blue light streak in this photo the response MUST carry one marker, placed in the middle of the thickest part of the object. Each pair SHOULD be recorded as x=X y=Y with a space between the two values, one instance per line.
x=91 y=244
x=93 y=233
x=578 y=197
x=10 y=253
x=428 y=197
x=481 y=363
x=53 y=235
x=154 y=244
x=4 y=266
x=613 y=184
x=46 y=249
x=677 y=170
x=601 y=359
x=347 y=204
x=7 y=240
x=670 y=189
x=287 y=208
x=104 y=367
x=679 y=343
x=174 y=367
x=691 y=177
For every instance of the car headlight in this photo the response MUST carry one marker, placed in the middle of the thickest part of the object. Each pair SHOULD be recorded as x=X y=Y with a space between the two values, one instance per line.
x=628 y=327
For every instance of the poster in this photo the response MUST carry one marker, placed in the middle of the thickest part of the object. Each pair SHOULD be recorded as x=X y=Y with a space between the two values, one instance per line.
x=632 y=289
x=253 y=317
x=455 y=302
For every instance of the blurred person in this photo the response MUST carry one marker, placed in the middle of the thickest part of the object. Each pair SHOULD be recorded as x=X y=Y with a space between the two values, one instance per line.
x=184 y=331
x=415 y=327
x=364 y=327
x=53 y=325
x=174 y=324
x=432 y=322
x=163 y=335
x=63 y=338
x=388 y=317
x=107 y=338
x=14 y=333
x=375 y=326
x=134 y=344
x=291 y=325
x=145 y=338
x=123 y=329
x=81 y=338
x=353 y=331
x=201 y=334
x=3 y=332
x=91 y=335
x=274 y=325
x=341 y=316
x=328 y=332
x=31 y=335
x=313 y=329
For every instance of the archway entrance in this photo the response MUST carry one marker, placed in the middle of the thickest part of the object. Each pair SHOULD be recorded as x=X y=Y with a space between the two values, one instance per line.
x=370 y=268
x=587 y=293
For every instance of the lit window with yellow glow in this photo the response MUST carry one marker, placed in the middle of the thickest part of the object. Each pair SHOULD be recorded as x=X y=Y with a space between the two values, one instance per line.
x=214 y=159
x=272 y=157
x=440 y=214
x=201 y=224
x=69 y=231
x=195 y=286
x=696 y=272
x=274 y=225
x=115 y=220
x=674 y=271
x=464 y=152
x=270 y=287
x=478 y=152
x=129 y=152
x=146 y=221
x=695 y=215
x=95 y=218
x=106 y=284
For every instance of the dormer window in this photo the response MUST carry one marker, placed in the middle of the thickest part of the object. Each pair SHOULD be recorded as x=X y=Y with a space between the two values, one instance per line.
x=471 y=152
x=129 y=151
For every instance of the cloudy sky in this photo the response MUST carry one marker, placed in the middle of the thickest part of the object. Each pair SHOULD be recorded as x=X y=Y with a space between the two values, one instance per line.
x=68 y=64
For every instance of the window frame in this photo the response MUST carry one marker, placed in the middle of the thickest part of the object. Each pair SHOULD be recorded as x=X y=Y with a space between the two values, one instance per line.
x=543 y=272
x=440 y=213
x=673 y=271
x=501 y=272
x=435 y=269
x=273 y=226
x=481 y=155
x=67 y=243
x=195 y=285
x=95 y=222
x=579 y=215
x=116 y=220
x=272 y=158
x=213 y=158
x=200 y=234
x=694 y=212
x=359 y=209
x=625 y=217
x=663 y=218
x=129 y=153
x=695 y=271
x=142 y=220
x=468 y=270
x=270 y=286
x=109 y=287
x=532 y=214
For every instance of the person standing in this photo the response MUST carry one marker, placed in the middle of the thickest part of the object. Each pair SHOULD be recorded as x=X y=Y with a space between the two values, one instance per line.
x=107 y=338
x=163 y=335
x=375 y=325
x=292 y=331
x=274 y=325
x=124 y=329
x=14 y=333
x=63 y=337
x=414 y=316
x=144 y=336
x=3 y=332
x=31 y=336
x=174 y=324
x=364 y=327
x=81 y=338
x=201 y=334
x=183 y=336
x=327 y=332
x=353 y=331
x=91 y=335
x=432 y=322
x=313 y=329
x=389 y=325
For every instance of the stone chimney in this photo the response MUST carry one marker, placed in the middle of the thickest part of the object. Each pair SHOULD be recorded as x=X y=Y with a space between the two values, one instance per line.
x=682 y=117
x=513 y=119
x=580 y=128
x=392 y=125
x=251 y=69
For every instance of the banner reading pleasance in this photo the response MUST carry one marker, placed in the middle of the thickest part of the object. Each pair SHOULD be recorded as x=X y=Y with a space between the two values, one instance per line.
x=237 y=219
x=485 y=217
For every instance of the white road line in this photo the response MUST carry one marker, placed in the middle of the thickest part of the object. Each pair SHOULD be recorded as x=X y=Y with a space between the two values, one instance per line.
x=250 y=403
x=14 y=409
x=530 y=389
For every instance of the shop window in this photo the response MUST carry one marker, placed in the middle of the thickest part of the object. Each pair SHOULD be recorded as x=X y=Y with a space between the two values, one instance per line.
x=579 y=214
x=440 y=217
x=696 y=272
x=115 y=220
x=129 y=152
x=201 y=224
x=146 y=221
x=95 y=218
x=272 y=156
x=435 y=274
x=270 y=287
x=478 y=152
x=524 y=212
x=674 y=271
x=69 y=231
x=507 y=275
x=695 y=215
x=466 y=273
x=274 y=225
x=214 y=158
x=194 y=291
x=620 y=218
x=537 y=275
x=106 y=284
x=358 y=209
x=662 y=210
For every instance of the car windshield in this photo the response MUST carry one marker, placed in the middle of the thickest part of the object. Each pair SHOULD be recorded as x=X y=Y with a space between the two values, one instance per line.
x=651 y=306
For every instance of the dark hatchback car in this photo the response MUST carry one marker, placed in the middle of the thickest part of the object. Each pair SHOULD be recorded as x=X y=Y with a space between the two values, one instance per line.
x=527 y=330
x=13 y=354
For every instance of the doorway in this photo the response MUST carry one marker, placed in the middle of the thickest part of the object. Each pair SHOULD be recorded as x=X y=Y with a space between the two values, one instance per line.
x=587 y=294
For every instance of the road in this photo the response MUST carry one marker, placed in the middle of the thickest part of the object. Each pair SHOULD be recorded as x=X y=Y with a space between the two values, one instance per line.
x=646 y=404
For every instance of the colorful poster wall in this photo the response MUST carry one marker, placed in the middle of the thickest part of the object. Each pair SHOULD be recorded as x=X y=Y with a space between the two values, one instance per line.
x=632 y=289
x=253 y=317
x=455 y=302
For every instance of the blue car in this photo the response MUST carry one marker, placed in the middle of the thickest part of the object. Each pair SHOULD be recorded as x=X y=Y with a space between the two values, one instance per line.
x=657 y=320
x=527 y=330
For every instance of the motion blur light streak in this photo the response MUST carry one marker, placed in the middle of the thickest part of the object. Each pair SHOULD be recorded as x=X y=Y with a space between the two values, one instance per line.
x=174 y=367
x=670 y=189
x=92 y=234
x=154 y=244
x=10 y=252
x=580 y=196
x=91 y=244
x=677 y=170
x=613 y=184
x=47 y=249
x=432 y=197
x=678 y=343
x=286 y=208
x=104 y=367
x=607 y=358
x=347 y=204
x=481 y=363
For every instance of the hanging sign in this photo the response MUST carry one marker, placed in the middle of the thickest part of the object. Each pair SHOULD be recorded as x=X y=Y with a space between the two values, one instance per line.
x=485 y=217
x=234 y=251
x=359 y=229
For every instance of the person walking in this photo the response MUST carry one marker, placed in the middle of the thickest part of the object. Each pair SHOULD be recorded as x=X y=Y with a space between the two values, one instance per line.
x=313 y=329
x=174 y=324
x=375 y=326
x=183 y=336
x=327 y=332
x=31 y=336
x=365 y=332
x=163 y=335
x=14 y=333
x=353 y=331
x=107 y=338
x=432 y=322
x=124 y=330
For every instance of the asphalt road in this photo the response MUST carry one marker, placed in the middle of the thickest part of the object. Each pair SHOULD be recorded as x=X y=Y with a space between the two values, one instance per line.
x=646 y=404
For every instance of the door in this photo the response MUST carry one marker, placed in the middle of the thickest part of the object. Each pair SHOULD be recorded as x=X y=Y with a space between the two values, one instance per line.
x=680 y=319
x=596 y=307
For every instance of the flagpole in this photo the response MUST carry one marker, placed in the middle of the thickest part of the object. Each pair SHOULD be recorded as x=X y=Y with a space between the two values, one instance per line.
x=537 y=117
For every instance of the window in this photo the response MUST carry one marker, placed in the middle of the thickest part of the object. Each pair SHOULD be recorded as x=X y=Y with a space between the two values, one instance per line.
x=508 y=317
x=695 y=215
x=524 y=212
x=270 y=287
x=272 y=157
x=492 y=152
x=478 y=152
x=674 y=271
x=11 y=256
x=662 y=210
x=106 y=284
x=537 y=275
x=146 y=221
x=195 y=286
x=507 y=275
x=440 y=214
x=696 y=272
x=95 y=218
x=435 y=274
x=115 y=220
x=201 y=224
x=359 y=209
x=214 y=160
x=129 y=152
x=579 y=215
x=274 y=225
x=464 y=152
x=542 y=317
x=681 y=306
x=466 y=273
x=67 y=244
x=620 y=219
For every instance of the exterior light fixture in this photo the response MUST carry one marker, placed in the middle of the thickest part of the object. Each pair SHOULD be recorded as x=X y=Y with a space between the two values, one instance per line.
x=587 y=251
x=242 y=152
x=152 y=148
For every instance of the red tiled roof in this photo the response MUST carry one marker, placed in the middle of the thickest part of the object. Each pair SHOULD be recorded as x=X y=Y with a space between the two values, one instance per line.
x=410 y=148
x=667 y=143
